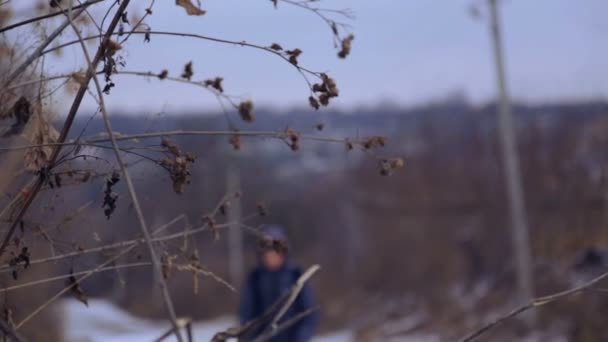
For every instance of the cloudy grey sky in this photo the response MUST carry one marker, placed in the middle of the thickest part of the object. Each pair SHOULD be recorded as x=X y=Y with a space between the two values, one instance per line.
x=405 y=52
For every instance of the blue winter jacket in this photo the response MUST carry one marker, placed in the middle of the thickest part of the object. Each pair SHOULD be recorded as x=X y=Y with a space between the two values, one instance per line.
x=263 y=288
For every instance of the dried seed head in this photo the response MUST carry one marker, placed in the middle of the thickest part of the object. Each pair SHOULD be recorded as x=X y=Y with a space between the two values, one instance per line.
x=293 y=55
x=235 y=141
x=294 y=139
x=330 y=85
x=346 y=46
x=276 y=47
x=188 y=71
x=314 y=103
x=396 y=163
x=163 y=74
x=388 y=166
x=324 y=99
x=178 y=165
x=375 y=141
x=349 y=145
x=215 y=83
x=112 y=46
x=246 y=111
x=190 y=157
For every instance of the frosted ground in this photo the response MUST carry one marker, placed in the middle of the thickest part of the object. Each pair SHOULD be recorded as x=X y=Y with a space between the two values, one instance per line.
x=104 y=322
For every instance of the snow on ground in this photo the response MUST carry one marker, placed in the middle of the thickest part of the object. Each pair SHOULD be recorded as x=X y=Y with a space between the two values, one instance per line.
x=103 y=321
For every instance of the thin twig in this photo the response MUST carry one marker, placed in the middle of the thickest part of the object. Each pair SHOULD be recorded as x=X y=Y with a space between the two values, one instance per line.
x=67 y=288
x=280 y=134
x=294 y=294
x=122 y=244
x=286 y=325
x=64 y=276
x=183 y=323
x=537 y=302
x=132 y=193
x=46 y=16
x=302 y=70
x=9 y=331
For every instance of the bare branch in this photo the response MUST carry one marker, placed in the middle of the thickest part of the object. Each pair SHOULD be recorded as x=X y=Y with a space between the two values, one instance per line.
x=295 y=291
x=46 y=16
x=65 y=276
x=537 y=302
x=67 y=288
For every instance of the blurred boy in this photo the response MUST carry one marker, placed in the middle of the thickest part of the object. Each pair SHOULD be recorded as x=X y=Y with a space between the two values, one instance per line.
x=272 y=278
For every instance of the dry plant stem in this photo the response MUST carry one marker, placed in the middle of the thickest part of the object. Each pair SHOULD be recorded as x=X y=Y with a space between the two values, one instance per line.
x=260 y=134
x=46 y=16
x=6 y=267
x=67 y=288
x=10 y=332
x=132 y=193
x=67 y=125
x=537 y=302
x=301 y=69
x=183 y=323
x=295 y=319
x=14 y=200
x=37 y=52
x=65 y=276
x=294 y=294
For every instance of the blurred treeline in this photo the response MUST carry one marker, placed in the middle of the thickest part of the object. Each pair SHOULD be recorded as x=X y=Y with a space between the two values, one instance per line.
x=432 y=240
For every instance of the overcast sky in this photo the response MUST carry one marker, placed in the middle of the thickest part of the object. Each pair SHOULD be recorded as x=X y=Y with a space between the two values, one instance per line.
x=405 y=52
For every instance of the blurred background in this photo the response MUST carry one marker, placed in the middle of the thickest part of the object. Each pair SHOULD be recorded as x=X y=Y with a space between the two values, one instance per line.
x=423 y=254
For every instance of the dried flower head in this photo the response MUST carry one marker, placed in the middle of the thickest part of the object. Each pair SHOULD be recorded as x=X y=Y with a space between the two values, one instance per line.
x=163 y=74
x=294 y=139
x=177 y=164
x=388 y=166
x=112 y=46
x=327 y=89
x=346 y=46
x=314 y=103
x=188 y=71
x=324 y=99
x=349 y=145
x=293 y=55
x=246 y=111
x=375 y=141
x=235 y=141
x=276 y=47
x=215 y=83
